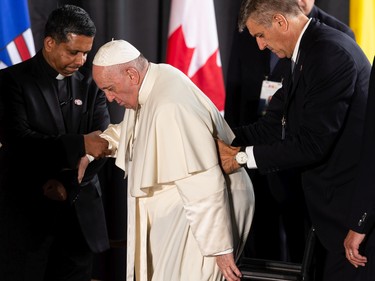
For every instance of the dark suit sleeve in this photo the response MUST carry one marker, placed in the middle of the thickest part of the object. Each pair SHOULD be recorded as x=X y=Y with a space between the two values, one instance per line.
x=331 y=21
x=362 y=216
x=99 y=121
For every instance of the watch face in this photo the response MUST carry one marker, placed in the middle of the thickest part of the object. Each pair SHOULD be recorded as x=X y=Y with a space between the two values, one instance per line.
x=241 y=157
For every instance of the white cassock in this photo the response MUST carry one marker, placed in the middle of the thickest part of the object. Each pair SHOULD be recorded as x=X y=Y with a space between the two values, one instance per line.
x=181 y=209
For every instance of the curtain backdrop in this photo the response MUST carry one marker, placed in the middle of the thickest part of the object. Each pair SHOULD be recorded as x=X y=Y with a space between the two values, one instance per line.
x=144 y=23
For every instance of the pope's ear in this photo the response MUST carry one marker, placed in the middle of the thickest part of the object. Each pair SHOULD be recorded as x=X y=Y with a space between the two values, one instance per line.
x=133 y=74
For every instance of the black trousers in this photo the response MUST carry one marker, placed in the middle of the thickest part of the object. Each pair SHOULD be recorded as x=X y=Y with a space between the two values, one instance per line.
x=33 y=252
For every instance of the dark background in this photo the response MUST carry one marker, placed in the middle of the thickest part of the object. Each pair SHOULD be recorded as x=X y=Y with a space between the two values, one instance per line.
x=144 y=23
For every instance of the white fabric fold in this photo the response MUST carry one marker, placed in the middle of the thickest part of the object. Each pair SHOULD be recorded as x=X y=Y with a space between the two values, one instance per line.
x=207 y=210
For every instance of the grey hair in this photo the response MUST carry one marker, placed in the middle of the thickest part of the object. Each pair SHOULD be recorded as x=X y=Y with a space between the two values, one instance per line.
x=139 y=63
x=261 y=11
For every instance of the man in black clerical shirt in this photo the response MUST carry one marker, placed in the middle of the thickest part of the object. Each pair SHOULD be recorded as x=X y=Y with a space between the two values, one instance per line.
x=52 y=219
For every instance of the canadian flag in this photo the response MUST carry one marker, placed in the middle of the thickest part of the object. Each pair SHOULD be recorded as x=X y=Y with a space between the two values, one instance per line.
x=193 y=46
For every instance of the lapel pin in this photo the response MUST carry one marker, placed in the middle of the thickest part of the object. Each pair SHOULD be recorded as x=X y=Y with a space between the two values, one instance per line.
x=77 y=102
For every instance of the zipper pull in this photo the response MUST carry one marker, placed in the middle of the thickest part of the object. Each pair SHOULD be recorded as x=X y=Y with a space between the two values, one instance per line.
x=283 y=124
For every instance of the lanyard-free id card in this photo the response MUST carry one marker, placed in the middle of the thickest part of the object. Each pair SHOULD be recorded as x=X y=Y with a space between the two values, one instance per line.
x=266 y=93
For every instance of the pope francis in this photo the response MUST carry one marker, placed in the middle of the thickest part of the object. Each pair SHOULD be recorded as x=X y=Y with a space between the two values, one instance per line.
x=186 y=220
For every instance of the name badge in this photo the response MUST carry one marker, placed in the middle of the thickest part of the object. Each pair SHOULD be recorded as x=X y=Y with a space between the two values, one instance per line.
x=266 y=93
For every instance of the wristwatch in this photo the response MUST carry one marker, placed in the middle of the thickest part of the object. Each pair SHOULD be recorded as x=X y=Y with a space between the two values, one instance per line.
x=241 y=157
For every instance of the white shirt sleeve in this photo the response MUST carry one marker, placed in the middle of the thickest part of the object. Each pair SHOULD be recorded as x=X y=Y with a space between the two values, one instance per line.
x=224 y=252
x=251 y=164
x=90 y=157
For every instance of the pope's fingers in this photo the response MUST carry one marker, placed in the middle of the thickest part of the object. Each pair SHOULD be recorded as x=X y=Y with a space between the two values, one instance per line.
x=230 y=275
x=228 y=267
x=107 y=152
x=237 y=271
x=104 y=153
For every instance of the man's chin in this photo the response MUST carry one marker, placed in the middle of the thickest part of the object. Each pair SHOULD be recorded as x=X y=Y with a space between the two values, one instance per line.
x=70 y=72
x=280 y=56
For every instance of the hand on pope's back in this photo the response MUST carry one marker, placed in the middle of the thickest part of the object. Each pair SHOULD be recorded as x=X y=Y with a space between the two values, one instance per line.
x=227 y=155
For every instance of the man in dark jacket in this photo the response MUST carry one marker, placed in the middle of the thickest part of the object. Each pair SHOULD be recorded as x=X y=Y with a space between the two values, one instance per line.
x=279 y=195
x=52 y=219
x=314 y=123
x=360 y=242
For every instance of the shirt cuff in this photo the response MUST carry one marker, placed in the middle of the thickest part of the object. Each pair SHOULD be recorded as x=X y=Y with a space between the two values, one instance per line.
x=251 y=164
x=90 y=157
x=224 y=252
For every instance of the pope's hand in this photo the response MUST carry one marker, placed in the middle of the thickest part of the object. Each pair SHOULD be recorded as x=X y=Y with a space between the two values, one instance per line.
x=228 y=267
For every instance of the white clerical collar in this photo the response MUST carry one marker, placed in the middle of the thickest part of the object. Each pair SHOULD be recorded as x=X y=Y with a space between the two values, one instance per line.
x=296 y=48
x=60 y=77
x=142 y=96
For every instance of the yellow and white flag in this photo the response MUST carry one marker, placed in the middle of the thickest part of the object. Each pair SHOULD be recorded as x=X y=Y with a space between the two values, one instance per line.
x=362 y=22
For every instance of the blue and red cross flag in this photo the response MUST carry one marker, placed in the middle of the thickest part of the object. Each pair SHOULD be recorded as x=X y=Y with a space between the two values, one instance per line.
x=16 y=38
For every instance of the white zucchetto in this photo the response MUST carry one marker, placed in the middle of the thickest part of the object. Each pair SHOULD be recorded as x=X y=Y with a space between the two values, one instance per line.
x=115 y=52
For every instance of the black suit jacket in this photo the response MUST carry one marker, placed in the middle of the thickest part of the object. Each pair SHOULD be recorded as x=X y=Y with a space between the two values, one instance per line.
x=249 y=66
x=324 y=107
x=37 y=147
x=362 y=215
x=330 y=21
